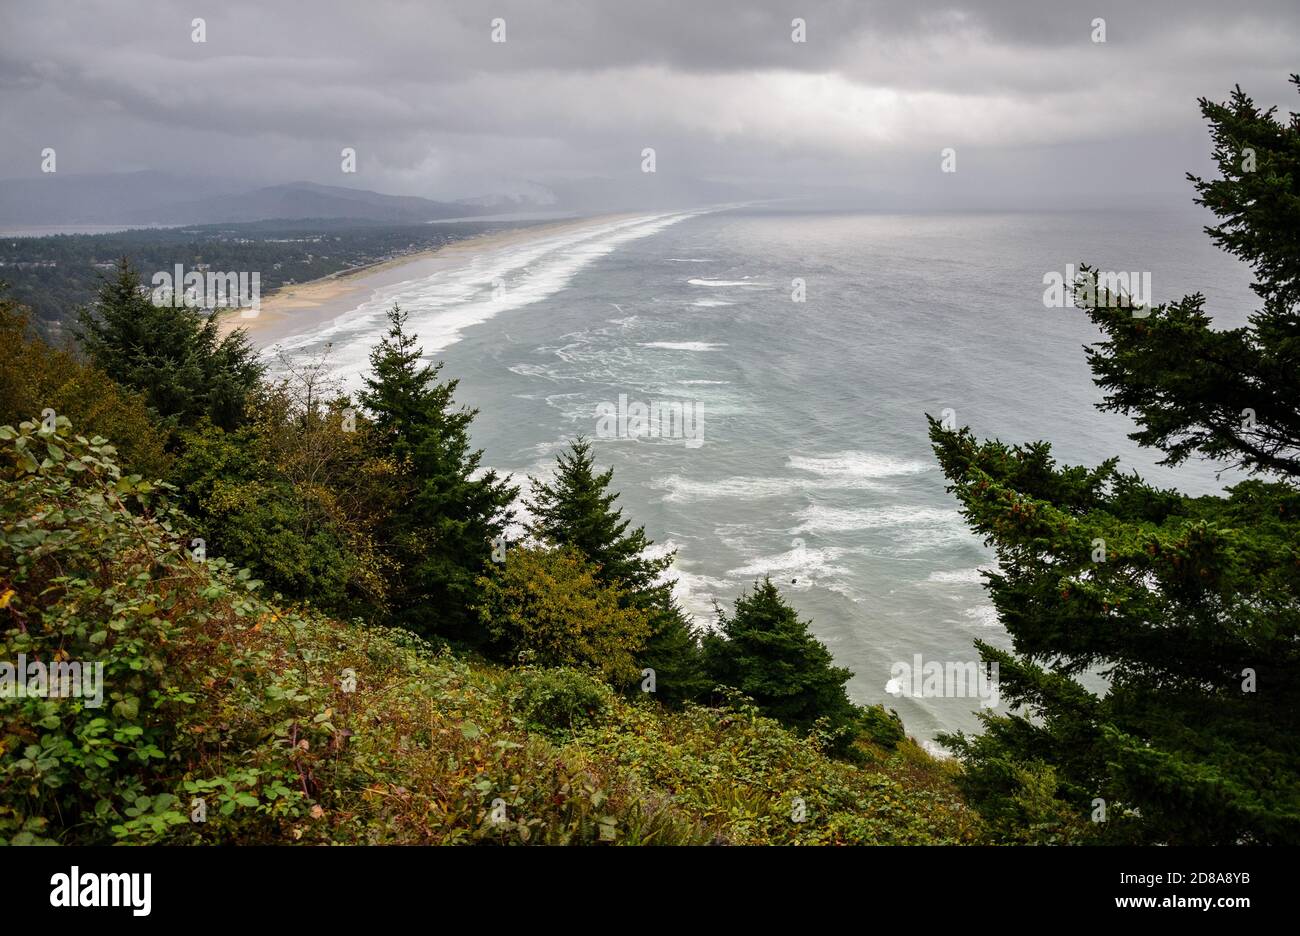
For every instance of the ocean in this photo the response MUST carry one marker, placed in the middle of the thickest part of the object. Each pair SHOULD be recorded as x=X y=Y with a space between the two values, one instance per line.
x=796 y=444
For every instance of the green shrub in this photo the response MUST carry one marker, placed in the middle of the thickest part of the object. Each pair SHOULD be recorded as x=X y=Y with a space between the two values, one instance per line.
x=92 y=573
x=550 y=604
x=558 y=701
x=880 y=726
x=35 y=377
x=296 y=497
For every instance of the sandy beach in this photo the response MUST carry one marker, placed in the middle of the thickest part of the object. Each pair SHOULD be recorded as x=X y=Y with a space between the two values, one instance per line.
x=302 y=307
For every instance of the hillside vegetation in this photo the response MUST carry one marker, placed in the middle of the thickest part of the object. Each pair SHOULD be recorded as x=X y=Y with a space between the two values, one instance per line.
x=285 y=725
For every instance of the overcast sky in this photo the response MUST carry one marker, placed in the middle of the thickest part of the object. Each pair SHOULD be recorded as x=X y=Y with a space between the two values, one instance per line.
x=1034 y=108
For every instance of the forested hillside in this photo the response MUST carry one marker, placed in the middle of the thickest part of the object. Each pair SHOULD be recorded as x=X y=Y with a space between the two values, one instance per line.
x=53 y=276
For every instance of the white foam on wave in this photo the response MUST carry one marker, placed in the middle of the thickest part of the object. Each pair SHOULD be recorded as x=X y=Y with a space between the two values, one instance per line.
x=936 y=750
x=683 y=345
x=686 y=260
x=696 y=594
x=682 y=490
x=533 y=370
x=983 y=615
x=701 y=281
x=855 y=464
x=819 y=518
x=710 y=303
x=688 y=490
x=799 y=562
x=441 y=306
x=957 y=577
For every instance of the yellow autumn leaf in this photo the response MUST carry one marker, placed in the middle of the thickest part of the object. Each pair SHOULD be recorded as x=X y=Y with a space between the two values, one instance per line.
x=5 y=597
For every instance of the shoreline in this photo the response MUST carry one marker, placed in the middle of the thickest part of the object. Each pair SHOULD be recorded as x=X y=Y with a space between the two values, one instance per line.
x=299 y=307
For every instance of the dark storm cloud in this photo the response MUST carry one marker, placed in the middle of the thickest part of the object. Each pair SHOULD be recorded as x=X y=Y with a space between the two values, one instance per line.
x=718 y=88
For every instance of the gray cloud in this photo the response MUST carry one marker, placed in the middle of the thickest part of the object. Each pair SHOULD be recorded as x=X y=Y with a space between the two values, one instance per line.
x=435 y=108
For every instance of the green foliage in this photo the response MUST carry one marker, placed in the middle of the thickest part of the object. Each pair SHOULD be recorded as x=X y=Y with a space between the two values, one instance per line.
x=549 y=604
x=880 y=726
x=1224 y=394
x=1189 y=607
x=766 y=651
x=35 y=377
x=92 y=573
x=292 y=727
x=673 y=651
x=751 y=781
x=172 y=355
x=1255 y=197
x=1192 y=593
x=560 y=701
x=297 y=495
x=575 y=510
x=453 y=511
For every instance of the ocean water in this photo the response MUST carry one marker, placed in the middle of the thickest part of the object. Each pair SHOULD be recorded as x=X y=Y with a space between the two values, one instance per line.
x=812 y=463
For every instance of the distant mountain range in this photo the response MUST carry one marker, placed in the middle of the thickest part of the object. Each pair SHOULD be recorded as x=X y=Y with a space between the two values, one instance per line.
x=160 y=198
x=308 y=200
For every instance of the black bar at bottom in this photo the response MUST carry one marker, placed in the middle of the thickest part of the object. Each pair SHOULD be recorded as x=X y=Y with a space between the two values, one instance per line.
x=620 y=886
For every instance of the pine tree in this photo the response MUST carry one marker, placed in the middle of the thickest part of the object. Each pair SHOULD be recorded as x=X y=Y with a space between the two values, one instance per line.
x=1190 y=607
x=444 y=536
x=576 y=510
x=767 y=652
x=173 y=355
x=1231 y=394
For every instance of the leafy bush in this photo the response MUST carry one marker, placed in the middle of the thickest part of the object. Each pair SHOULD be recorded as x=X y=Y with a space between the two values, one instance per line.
x=35 y=377
x=550 y=604
x=881 y=726
x=752 y=781
x=297 y=499
x=557 y=701
x=92 y=573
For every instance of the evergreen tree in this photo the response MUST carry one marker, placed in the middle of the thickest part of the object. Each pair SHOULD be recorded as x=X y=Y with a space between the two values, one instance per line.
x=1190 y=607
x=173 y=355
x=443 y=537
x=768 y=653
x=576 y=510
x=673 y=651
x=1231 y=394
